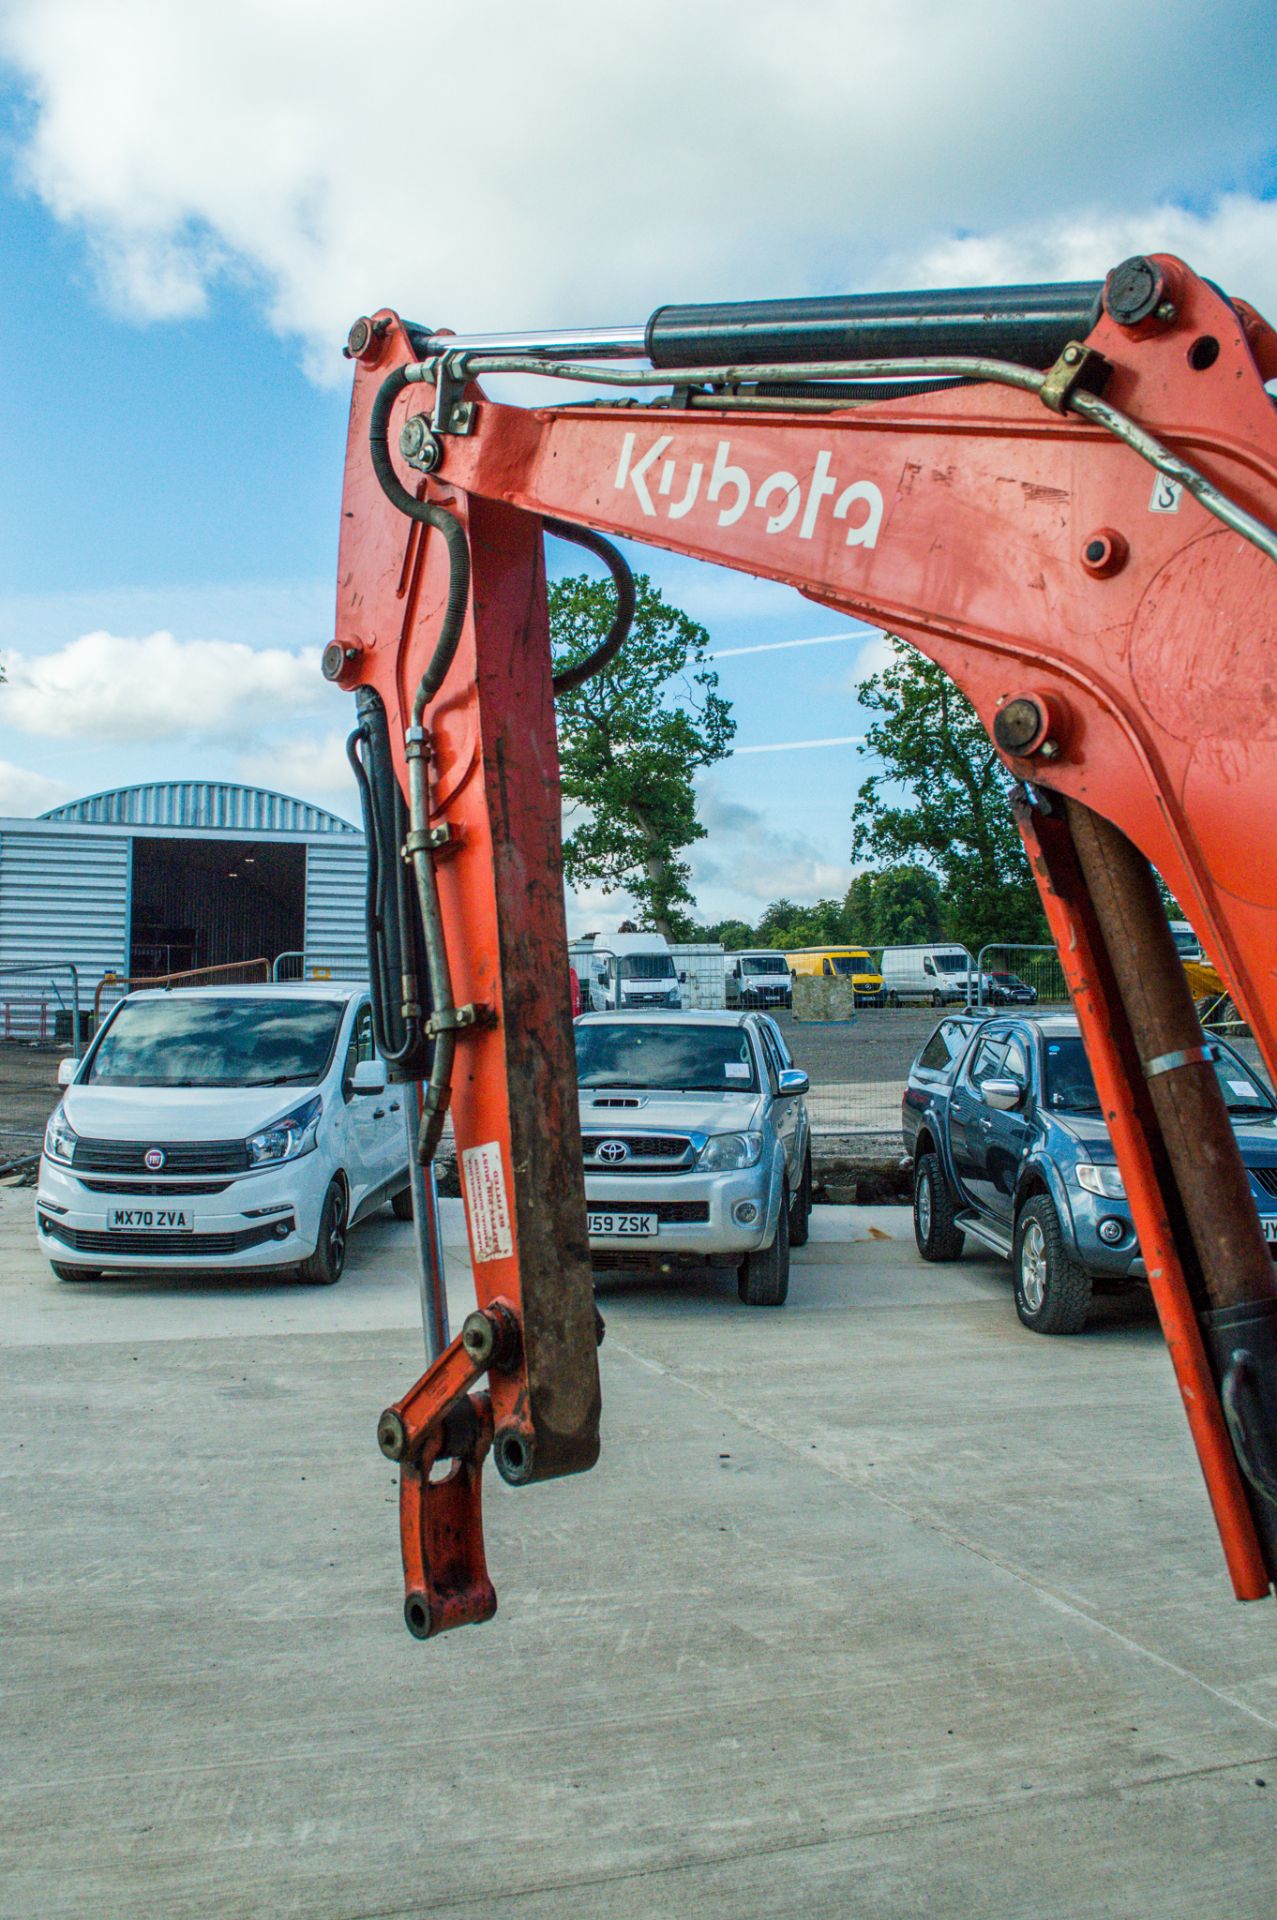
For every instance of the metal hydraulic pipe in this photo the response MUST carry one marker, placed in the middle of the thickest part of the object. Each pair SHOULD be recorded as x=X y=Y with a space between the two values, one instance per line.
x=581 y=343
x=1214 y=1189
x=427 y=1227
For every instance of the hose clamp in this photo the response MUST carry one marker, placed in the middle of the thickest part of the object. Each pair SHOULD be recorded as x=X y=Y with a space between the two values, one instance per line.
x=1185 y=1057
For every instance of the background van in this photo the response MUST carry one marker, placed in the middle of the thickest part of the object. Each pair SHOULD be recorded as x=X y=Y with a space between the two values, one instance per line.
x=758 y=977
x=933 y=975
x=631 y=970
x=843 y=963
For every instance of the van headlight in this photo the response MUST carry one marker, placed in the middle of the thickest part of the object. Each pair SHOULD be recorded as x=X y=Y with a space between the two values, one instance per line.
x=60 y=1137
x=1105 y=1181
x=725 y=1150
x=287 y=1138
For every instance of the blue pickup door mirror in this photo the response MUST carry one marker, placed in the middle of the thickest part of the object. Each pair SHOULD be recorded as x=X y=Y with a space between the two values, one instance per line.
x=1005 y=1095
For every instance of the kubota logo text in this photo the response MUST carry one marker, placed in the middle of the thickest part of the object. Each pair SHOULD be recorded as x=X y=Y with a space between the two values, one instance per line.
x=780 y=497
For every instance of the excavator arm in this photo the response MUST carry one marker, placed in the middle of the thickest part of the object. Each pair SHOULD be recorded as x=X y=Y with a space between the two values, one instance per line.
x=1063 y=495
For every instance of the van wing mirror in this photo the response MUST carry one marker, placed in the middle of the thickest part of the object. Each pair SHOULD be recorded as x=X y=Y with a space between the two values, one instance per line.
x=66 y=1072
x=1005 y=1095
x=369 y=1077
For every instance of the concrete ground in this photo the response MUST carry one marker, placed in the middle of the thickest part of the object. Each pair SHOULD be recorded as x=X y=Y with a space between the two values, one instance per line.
x=878 y=1606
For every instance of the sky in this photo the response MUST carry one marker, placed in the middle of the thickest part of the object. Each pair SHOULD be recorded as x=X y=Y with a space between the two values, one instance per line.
x=196 y=200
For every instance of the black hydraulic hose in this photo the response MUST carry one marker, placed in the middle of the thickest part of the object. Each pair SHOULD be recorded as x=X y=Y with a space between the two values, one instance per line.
x=429 y=515
x=622 y=620
x=376 y=914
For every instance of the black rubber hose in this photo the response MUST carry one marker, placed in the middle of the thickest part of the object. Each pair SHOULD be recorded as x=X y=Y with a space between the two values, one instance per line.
x=381 y=985
x=429 y=515
x=623 y=619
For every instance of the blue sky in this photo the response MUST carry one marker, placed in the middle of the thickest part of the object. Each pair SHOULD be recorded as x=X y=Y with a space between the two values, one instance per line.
x=190 y=215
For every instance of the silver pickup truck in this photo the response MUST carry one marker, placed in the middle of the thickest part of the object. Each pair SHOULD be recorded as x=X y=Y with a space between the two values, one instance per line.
x=697 y=1145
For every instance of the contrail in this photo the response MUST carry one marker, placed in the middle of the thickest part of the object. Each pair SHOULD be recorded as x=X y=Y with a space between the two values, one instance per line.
x=796 y=746
x=774 y=646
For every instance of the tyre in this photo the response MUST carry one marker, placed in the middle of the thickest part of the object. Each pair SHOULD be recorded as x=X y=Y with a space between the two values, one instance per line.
x=401 y=1204
x=937 y=998
x=326 y=1264
x=800 y=1212
x=893 y=999
x=68 y=1272
x=1052 y=1291
x=762 y=1279
x=934 y=1228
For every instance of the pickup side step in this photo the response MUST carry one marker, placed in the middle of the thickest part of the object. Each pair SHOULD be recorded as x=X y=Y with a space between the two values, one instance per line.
x=982 y=1230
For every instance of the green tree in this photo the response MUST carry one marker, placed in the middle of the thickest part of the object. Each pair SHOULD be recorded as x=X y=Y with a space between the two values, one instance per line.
x=942 y=797
x=630 y=742
x=895 y=907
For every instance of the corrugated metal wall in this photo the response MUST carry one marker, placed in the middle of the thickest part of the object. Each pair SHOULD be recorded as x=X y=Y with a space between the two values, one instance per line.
x=65 y=896
x=215 y=805
x=335 y=888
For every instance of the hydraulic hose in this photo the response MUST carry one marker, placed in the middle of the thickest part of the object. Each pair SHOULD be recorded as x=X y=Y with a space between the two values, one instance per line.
x=623 y=619
x=428 y=515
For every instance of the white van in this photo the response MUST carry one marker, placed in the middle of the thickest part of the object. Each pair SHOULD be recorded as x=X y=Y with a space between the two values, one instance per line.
x=759 y=977
x=626 y=970
x=218 y=1128
x=935 y=976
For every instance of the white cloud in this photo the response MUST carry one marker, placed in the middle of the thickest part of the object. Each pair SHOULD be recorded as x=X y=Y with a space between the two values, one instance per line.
x=23 y=793
x=105 y=686
x=1233 y=242
x=534 y=173
x=746 y=861
x=313 y=768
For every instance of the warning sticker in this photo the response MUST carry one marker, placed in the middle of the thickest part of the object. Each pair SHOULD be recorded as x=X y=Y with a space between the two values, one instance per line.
x=487 y=1208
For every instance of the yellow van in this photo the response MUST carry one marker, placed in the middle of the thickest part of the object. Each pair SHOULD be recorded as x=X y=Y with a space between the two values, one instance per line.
x=852 y=963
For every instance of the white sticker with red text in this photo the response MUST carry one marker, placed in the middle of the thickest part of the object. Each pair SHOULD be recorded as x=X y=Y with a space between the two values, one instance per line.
x=487 y=1208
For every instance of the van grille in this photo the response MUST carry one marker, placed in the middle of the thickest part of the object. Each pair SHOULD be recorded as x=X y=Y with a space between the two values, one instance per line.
x=180 y=1156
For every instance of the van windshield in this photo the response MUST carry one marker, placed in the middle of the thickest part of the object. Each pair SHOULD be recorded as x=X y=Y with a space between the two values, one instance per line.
x=850 y=963
x=645 y=966
x=764 y=963
x=952 y=962
x=163 y=1040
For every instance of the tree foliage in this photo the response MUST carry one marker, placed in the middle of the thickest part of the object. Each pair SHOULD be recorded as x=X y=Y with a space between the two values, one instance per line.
x=953 y=813
x=630 y=741
x=895 y=907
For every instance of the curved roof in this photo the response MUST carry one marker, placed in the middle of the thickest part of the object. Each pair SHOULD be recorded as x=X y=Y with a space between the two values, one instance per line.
x=207 y=804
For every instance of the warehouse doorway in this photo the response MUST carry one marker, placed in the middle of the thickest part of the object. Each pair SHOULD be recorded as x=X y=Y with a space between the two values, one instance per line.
x=210 y=903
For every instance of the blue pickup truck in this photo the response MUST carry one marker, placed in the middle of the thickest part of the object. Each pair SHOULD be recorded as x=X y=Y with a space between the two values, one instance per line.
x=1009 y=1146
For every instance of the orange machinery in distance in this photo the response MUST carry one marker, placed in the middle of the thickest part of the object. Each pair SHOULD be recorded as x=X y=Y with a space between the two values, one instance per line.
x=1066 y=496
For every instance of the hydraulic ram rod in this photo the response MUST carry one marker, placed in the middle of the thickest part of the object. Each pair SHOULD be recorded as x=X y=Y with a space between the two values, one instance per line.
x=1029 y=325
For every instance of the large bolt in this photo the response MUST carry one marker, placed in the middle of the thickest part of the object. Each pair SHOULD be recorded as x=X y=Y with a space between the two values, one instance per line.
x=418 y=444
x=1136 y=291
x=1018 y=724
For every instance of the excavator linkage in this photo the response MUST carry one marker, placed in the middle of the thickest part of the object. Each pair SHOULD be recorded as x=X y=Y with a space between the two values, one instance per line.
x=1066 y=497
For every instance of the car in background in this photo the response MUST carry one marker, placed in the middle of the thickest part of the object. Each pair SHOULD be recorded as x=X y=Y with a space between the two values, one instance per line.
x=222 y=1128
x=696 y=1144
x=1009 y=1145
x=758 y=977
x=1007 y=989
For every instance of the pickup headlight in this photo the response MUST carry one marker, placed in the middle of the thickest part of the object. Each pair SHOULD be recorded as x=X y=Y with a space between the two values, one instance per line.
x=1105 y=1181
x=725 y=1150
x=60 y=1138
x=287 y=1138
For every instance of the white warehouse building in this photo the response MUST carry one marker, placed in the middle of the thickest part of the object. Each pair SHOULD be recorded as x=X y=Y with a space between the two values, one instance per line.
x=182 y=874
